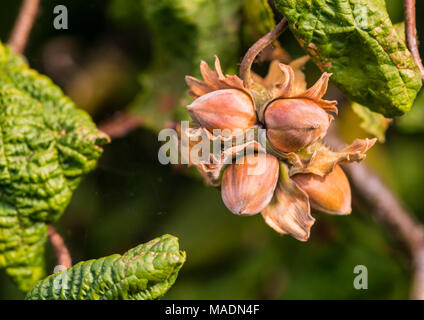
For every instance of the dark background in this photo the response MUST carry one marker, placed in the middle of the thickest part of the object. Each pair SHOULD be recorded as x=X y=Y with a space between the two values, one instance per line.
x=103 y=62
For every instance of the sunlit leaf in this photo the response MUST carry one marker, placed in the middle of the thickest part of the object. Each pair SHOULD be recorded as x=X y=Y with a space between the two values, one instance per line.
x=46 y=146
x=356 y=41
x=372 y=122
x=414 y=120
x=143 y=273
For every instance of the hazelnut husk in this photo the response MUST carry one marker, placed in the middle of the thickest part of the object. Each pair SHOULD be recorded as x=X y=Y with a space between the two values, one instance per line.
x=299 y=172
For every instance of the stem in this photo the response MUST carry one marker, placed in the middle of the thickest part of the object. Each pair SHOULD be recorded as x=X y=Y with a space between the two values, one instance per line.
x=59 y=247
x=411 y=34
x=120 y=124
x=418 y=280
x=23 y=25
x=387 y=209
x=258 y=46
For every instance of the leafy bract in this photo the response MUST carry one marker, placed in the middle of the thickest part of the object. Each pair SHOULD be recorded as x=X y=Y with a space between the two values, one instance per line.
x=46 y=146
x=142 y=273
x=371 y=122
x=356 y=41
x=413 y=122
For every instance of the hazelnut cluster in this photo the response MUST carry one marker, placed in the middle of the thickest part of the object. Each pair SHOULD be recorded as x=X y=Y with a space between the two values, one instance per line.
x=300 y=170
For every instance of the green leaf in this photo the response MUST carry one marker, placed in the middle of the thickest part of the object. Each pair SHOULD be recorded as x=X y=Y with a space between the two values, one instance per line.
x=259 y=17
x=184 y=32
x=142 y=273
x=400 y=30
x=356 y=41
x=413 y=122
x=46 y=146
x=372 y=122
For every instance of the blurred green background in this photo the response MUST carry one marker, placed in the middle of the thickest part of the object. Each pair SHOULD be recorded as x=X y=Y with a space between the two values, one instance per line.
x=133 y=55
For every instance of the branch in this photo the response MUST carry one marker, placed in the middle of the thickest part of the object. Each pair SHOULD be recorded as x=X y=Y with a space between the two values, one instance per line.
x=59 y=247
x=258 y=46
x=120 y=124
x=411 y=34
x=23 y=25
x=387 y=208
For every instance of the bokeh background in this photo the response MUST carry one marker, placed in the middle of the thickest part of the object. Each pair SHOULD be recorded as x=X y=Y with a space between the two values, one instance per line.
x=131 y=56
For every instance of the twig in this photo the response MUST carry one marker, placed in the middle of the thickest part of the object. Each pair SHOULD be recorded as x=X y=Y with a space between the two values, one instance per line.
x=120 y=124
x=387 y=208
x=258 y=46
x=23 y=25
x=411 y=34
x=418 y=280
x=60 y=249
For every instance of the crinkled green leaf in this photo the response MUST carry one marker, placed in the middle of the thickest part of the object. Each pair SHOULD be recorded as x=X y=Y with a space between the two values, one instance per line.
x=372 y=122
x=46 y=146
x=356 y=41
x=142 y=273
x=413 y=121
x=400 y=30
